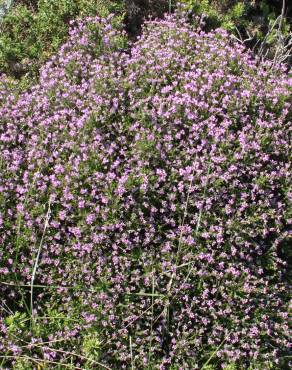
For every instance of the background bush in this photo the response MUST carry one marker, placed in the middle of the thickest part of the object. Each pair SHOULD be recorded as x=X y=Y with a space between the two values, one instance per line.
x=257 y=22
x=145 y=205
x=33 y=29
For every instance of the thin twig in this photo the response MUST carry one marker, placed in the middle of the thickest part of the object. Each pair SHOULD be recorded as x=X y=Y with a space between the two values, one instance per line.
x=181 y=231
x=131 y=353
x=214 y=353
x=38 y=257
x=152 y=313
x=164 y=312
x=40 y=361
x=72 y=354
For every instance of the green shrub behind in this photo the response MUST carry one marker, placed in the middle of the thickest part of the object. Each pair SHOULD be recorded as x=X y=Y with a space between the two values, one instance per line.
x=258 y=22
x=32 y=30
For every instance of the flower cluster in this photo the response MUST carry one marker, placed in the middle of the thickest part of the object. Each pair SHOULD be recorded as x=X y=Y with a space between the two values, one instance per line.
x=144 y=205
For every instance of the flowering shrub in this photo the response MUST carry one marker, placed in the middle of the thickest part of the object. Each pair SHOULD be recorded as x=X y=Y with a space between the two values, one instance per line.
x=144 y=205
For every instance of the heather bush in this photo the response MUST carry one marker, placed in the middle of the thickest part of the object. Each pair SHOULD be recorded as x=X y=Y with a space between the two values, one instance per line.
x=145 y=205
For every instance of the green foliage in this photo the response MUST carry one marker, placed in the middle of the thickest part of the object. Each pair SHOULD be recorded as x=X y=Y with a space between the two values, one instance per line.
x=91 y=346
x=22 y=364
x=218 y=14
x=32 y=31
x=16 y=322
x=252 y=19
